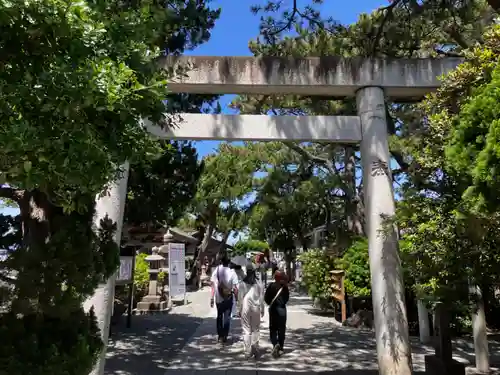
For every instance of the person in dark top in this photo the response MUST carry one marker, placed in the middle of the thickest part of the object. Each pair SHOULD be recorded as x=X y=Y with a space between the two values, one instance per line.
x=274 y=269
x=276 y=297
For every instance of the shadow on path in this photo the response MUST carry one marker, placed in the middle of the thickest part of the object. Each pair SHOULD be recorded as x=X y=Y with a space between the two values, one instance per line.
x=179 y=343
x=320 y=348
x=148 y=346
x=271 y=372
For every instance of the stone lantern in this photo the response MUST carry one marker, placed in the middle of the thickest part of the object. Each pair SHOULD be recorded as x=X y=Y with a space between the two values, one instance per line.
x=153 y=300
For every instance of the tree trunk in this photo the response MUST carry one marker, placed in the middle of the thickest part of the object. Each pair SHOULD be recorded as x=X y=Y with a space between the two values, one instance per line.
x=354 y=220
x=201 y=251
x=37 y=215
x=223 y=243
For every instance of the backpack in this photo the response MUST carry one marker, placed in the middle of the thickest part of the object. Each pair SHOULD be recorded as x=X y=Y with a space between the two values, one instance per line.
x=223 y=290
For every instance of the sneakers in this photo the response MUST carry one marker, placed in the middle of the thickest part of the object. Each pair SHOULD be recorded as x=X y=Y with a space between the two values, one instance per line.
x=254 y=353
x=276 y=351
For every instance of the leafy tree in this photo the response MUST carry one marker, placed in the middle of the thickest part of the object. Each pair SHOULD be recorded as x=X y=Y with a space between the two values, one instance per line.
x=226 y=181
x=467 y=106
x=163 y=185
x=249 y=246
x=293 y=197
x=76 y=79
x=445 y=231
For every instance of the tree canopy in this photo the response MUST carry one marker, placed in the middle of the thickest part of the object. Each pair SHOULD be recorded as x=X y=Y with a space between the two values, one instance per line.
x=76 y=80
x=161 y=186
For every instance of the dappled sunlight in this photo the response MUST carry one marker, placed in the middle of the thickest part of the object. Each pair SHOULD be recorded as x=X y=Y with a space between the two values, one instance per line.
x=179 y=343
x=149 y=344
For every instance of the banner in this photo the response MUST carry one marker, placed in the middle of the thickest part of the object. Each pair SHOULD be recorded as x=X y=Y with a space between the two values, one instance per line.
x=126 y=271
x=176 y=270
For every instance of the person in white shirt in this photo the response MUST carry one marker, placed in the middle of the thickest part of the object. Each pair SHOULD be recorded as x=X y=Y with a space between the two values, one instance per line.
x=240 y=273
x=224 y=290
x=251 y=310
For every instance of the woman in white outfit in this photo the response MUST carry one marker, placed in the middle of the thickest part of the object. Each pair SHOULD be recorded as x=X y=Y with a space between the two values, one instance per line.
x=241 y=275
x=251 y=310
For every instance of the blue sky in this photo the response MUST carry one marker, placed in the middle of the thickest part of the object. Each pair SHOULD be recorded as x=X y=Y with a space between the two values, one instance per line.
x=237 y=26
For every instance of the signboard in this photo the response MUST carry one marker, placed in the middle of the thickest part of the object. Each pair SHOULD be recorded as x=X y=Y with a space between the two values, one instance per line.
x=126 y=271
x=338 y=285
x=177 y=270
x=338 y=291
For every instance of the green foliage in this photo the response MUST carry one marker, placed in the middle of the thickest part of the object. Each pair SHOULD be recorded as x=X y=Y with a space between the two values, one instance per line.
x=356 y=264
x=162 y=277
x=473 y=143
x=38 y=344
x=316 y=267
x=45 y=324
x=442 y=216
x=291 y=199
x=161 y=186
x=141 y=274
x=77 y=79
x=226 y=181
x=249 y=246
x=76 y=94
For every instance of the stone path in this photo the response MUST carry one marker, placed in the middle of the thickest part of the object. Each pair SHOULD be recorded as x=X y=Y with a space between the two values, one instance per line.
x=314 y=344
x=183 y=343
x=153 y=340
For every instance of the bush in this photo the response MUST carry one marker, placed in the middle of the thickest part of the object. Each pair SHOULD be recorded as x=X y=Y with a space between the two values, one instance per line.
x=356 y=264
x=316 y=277
x=40 y=345
x=141 y=273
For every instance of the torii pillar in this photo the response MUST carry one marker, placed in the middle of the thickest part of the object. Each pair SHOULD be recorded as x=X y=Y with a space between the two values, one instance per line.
x=389 y=309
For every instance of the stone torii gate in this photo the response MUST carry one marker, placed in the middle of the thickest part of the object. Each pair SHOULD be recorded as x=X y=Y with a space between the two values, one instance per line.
x=371 y=81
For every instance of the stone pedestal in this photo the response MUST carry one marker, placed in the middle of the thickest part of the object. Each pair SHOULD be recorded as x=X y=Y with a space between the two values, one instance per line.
x=435 y=365
x=423 y=323
x=442 y=362
x=152 y=303
x=479 y=331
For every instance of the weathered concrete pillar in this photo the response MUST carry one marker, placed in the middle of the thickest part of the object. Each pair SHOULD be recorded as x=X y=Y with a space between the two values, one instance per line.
x=391 y=324
x=424 y=327
x=479 y=331
x=112 y=203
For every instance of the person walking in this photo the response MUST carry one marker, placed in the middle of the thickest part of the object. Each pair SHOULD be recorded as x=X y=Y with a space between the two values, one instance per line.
x=241 y=275
x=276 y=297
x=224 y=289
x=251 y=310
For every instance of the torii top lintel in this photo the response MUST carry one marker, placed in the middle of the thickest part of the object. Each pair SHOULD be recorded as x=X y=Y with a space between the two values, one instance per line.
x=402 y=79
